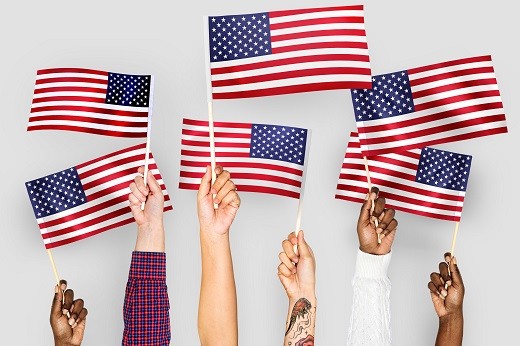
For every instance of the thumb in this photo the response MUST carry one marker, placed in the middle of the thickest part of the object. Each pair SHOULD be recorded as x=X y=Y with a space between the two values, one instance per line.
x=57 y=303
x=303 y=248
x=364 y=215
x=455 y=273
x=153 y=185
x=205 y=184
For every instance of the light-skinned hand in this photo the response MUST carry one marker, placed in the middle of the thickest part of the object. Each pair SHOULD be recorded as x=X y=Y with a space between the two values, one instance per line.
x=151 y=217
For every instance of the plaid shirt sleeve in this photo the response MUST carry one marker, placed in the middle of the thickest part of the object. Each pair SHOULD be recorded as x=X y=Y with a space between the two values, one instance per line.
x=146 y=309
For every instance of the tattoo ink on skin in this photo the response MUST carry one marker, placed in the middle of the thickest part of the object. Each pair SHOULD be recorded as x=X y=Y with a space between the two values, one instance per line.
x=301 y=309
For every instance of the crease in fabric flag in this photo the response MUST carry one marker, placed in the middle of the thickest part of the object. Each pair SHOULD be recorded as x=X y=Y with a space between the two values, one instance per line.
x=89 y=198
x=285 y=52
x=428 y=182
x=430 y=105
x=91 y=101
x=260 y=157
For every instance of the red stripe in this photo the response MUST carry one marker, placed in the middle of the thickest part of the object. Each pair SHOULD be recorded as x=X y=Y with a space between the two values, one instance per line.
x=71 y=70
x=192 y=122
x=249 y=188
x=289 y=61
x=292 y=74
x=74 y=118
x=250 y=176
x=435 y=130
x=377 y=169
x=275 y=14
x=452 y=74
x=205 y=144
x=429 y=118
x=90 y=110
x=292 y=89
x=126 y=150
x=218 y=154
x=69 y=98
x=137 y=161
x=316 y=21
x=318 y=33
x=319 y=45
x=229 y=165
x=443 y=140
x=454 y=99
x=454 y=86
x=219 y=134
x=449 y=63
x=71 y=89
x=71 y=80
x=88 y=130
x=406 y=210
x=381 y=159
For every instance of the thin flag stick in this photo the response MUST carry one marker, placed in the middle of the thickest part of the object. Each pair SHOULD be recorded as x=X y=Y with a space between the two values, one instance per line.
x=376 y=221
x=54 y=267
x=148 y=135
x=212 y=146
x=302 y=190
x=454 y=239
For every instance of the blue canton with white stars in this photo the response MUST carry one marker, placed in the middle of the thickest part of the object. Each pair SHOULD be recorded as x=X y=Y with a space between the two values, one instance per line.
x=390 y=96
x=128 y=90
x=56 y=192
x=444 y=169
x=281 y=143
x=239 y=37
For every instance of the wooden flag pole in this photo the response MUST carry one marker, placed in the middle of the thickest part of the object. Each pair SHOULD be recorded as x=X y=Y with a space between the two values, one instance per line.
x=212 y=147
x=54 y=267
x=302 y=190
x=148 y=134
x=376 y=221
x=454 y=239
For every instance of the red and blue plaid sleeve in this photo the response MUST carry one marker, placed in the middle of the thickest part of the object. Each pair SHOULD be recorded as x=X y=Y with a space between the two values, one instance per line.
x=146 y=310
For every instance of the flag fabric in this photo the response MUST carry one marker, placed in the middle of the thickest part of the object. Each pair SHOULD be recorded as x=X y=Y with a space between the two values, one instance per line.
x=285 y=52
x=428 y=182
x=430 y=105
x=91 y=101
x=89 y=198
x=261 y=158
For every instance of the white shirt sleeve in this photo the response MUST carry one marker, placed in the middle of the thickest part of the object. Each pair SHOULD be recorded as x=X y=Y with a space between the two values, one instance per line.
x=370 y=319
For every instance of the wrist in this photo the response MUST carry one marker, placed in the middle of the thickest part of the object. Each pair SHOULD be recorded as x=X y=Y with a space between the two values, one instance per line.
x=452 y=317
x=310 y=295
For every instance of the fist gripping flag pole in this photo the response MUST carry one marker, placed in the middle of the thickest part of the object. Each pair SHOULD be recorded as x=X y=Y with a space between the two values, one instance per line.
x=369 y=181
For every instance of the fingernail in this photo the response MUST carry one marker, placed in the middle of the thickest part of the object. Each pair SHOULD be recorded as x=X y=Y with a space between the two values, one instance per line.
x=454 y=259
x=444 y=293
x=448 y=283
x=379 y=230
x=213 y=191
x=216 y=201
x=63 y=287
x=74 y=325
x=440 y=295
x=56 y=289
x=72 y=308
x=71 y=321
x=65 y=311
x=373 y=195
x=447 y=259
x=442 y=280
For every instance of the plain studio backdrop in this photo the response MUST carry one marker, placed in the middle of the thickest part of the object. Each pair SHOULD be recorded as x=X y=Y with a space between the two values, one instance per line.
x=166 y=39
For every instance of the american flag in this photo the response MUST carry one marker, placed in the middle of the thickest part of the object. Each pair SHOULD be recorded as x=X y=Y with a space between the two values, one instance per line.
x=428 y=182
x=285 y=52
x=430 y=105
x=261 y=158
x=89 y=198
x=92 y=101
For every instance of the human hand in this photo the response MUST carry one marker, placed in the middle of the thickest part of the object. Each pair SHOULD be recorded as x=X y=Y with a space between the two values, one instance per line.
x=297 y=272
x=68 y=331
x=366 y=227
x=152 y=216
x=446 y=288
x=217 y=221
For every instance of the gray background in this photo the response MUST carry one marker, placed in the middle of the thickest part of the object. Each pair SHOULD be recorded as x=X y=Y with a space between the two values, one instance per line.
x=166 y=39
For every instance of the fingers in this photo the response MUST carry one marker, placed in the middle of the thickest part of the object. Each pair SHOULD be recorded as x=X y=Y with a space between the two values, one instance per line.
x=57 y=306
x=445 y=275
x=288 y=248
x=283 y=270
x=232 y=199
x=366 y=208
x=218 y=169
x=221 y=180
x=379 y=206
x=286 y=261
x=439 y=284
x=138 y=188
x=75 y=309
x=455 y=273
x=153 y=184
x=437 y=299
x=303 y=247
x=205 y=184
x=69 y=298
x=226 y=188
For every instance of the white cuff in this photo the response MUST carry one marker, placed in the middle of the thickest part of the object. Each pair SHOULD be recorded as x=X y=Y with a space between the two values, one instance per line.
x=372 y=266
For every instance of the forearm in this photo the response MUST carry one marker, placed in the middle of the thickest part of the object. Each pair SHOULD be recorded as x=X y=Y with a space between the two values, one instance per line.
x=451 y=329
x=301 y=321
x=150 y=238
x=217 y=320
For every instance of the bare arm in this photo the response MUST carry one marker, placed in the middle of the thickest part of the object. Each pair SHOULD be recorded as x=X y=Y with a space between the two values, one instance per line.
x=217 y=322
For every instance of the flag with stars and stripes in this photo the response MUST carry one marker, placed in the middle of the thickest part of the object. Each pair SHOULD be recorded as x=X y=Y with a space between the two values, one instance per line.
x=428 y=182
x=430 y=105
x=89 y=198
x=91 y=101
x=285 y=52
x=261 y=158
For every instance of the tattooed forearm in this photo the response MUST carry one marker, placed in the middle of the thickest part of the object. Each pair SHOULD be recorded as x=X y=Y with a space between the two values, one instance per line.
x=300 y=324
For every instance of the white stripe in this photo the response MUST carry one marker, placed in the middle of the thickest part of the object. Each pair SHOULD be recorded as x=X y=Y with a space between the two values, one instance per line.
x=217 y=128
x=96 y=105
x=445 y=134
x=318 y=39
x=223 y=158
x=36 y=115
x=318 y=27
x=301 y=53
x=435 y=110
x=455 y=68
x=111 y=158
x=294 y=81
x=71 y=75
x=68 y=93
x=90 y=125
x=316 y=15
x=452 y=93
x=448 y=81
x=217 y=139
x=291 y=67
x=255 y=182
x=206 y=150
x=430 y=124
x=99 y=85
x=249 y=170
